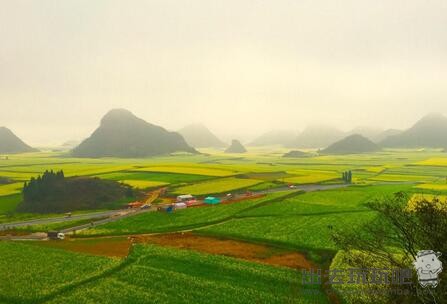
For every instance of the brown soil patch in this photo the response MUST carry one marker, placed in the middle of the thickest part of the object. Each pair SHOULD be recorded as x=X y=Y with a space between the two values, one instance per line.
x=110 y=247
x=12 y=232
x=232 y=248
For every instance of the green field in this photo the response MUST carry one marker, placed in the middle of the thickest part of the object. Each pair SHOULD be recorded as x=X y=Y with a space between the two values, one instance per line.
x=289 y=219
x=160 y=275
x=8 y=203
x=180 y=220
x=162 y=177
x=32 y=273
x=303 y=221
x=218 y=186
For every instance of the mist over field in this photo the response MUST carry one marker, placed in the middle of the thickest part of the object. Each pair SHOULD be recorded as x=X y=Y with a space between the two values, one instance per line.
x=242 y=68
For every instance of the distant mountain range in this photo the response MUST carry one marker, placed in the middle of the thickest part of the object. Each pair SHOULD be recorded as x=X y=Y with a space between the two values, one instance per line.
x=70 y=144
x=430 y=131
x=317 y=137
x=236 y=147
x=10 y=143
x=199 y=136
x=368 y=132
x=296 y=154
x=275 y=137
x=384 y=134
x=352 y=144
x=122 y=134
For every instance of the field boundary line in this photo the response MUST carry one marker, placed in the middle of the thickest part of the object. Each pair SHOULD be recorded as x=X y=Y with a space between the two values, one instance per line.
x=106 y=273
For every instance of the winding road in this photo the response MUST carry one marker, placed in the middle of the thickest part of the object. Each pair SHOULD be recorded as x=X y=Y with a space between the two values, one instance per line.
x=99 y=218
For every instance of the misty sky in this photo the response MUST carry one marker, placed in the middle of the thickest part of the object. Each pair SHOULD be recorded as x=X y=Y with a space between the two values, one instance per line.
x=240 y=67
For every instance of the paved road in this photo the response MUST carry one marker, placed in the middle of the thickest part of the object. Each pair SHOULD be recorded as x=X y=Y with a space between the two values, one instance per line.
x=306 y=188
x=109 y=214
x=51 y=220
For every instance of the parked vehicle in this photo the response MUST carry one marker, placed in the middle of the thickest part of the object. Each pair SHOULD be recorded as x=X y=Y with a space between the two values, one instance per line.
x=180 y=206
x=191 y=202
x=55 y=235
x=184 y=198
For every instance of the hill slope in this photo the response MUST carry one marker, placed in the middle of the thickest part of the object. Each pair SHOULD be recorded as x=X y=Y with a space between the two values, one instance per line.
x=368 y=132
x=430 y=131
x=296 y=154
x=122 y=134
x=381 y=136
x=236 y=147
x=317 y=137
x=10 y=143
x=199 y=136
x=277 y=137
x=352 y=144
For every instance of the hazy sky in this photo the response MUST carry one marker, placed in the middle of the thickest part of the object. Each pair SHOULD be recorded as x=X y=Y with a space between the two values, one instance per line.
x=237 y=66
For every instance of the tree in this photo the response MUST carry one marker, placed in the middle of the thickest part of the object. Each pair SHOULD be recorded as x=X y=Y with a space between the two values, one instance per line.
x=347 y=176
x=394 y=238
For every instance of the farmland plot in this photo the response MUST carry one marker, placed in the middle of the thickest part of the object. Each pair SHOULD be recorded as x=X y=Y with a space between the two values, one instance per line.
x=218 y=186
x=30 y=273
x=305 y=221
x=162 y=177
x=181 y=219
x=9 y=203
x=163 y=275
x=306 y=232
x=9 y=189
x=188 y=170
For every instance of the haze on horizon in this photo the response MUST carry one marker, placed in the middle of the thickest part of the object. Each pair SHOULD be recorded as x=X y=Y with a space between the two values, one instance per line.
x=240 y=67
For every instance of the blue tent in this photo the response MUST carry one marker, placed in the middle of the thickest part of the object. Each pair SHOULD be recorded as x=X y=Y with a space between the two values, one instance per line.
x=170 y=209
x=211 y=200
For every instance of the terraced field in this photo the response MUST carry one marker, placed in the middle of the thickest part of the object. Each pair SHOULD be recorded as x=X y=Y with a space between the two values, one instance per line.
x=305 y=221
x=185 y=219
x=287 y=220
x=161 y=275
x=162 y=177
x=220 y=185
x=30 y=275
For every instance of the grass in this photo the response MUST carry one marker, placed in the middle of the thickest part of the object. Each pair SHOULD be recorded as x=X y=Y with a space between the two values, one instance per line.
x=436 y=187
x=265 y=186
x=338 y=200
x=167 y=178
x=30 y=274
x=9 y=189
x=401 y=178
x=437 y=161
x=163 y=275
x=181 y=219
x=189 y=170
x=306 y=176
x=143 y=184
x=302 y=222
x=305 y=232
x=216 y=186
x=8 y=203
x=305 y=221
